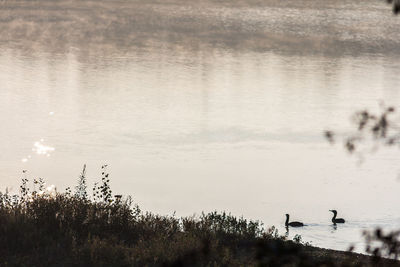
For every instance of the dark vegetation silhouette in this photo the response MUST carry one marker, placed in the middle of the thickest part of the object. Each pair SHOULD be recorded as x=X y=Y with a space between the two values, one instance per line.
x=383 y=245
x=371 y=129
x=396 y=5
x=43 y=227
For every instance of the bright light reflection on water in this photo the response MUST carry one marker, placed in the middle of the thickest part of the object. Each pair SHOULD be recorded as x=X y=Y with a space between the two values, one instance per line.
x=41 y=149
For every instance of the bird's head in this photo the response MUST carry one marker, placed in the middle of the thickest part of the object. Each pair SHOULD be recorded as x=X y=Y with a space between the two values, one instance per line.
x=334 y=211
x=287 y=215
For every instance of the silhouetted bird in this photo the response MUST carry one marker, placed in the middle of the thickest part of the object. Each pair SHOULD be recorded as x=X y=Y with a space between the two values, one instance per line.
x=292 y=224
x=334 y=220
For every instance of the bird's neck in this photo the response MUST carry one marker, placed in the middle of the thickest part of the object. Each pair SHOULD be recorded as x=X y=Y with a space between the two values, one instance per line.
x=334 y=216
x=287 y=220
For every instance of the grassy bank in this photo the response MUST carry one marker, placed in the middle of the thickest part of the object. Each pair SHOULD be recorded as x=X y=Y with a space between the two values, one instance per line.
x=40 y=227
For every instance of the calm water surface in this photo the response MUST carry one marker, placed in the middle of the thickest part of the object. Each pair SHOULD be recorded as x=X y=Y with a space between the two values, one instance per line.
x=192 y=130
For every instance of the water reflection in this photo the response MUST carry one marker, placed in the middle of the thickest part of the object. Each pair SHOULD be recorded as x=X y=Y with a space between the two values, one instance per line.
x=41 y=149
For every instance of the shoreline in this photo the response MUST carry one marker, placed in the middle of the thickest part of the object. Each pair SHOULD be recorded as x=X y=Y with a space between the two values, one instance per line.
x=65 y=229
x=352 y=257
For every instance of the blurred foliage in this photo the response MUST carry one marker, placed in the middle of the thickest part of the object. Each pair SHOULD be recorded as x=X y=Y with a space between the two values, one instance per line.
x=396 y=5
x=383 y=245
x=371 y=129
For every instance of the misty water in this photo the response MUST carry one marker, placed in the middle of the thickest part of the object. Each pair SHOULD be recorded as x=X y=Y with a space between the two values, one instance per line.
x=217 y=126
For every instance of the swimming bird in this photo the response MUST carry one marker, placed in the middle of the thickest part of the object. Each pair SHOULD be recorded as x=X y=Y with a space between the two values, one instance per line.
x=292 y=224
x=338 y=220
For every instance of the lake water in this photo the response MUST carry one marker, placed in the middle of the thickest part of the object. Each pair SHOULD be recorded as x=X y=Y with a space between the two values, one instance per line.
x=218 y=126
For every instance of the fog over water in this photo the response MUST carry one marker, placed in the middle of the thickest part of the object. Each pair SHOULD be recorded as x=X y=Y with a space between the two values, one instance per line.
x=218 y=105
